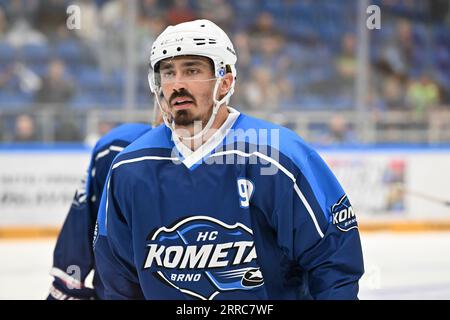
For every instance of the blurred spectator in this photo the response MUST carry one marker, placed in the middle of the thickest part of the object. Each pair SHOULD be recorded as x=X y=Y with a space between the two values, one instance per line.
x=398 y=52
x=21 y=10
x=29 y=82
x=375 y=103
x=263 y=28
x=55 y=88
x=180 y=12
x=50 y=16
x=422 y=95
x=218 y=11
x=270 y=52
x=67 y=130
x=287 y=98
x=54 y=94
x=6 y=74
x=261 y=93
x=439 y=10
x=340 y=131
x=346 y=63
x=146 y=32
x=21 y=34
x=242 y=43
x=88 y=37
x=151 y=9
x=103 y=128
x=279 y=64
x=266 y=44
x=89 y=21
x=111 y=55
x=25 y=129
x=393 y=93
x=3 y=24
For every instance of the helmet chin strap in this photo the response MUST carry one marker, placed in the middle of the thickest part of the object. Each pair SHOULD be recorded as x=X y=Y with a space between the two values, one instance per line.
x=170 y=123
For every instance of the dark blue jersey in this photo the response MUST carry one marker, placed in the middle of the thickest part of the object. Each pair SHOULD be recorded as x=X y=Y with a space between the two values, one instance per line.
x=73 y=258
x=255 y=213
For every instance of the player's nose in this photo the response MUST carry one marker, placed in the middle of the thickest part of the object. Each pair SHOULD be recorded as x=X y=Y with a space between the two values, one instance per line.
x=179 y=82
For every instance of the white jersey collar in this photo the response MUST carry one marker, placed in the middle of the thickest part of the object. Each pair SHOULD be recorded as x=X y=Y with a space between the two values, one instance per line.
x=192 y=157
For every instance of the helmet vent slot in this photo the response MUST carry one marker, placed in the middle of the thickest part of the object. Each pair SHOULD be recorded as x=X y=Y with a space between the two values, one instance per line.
x=203 y=41
x=200 y=41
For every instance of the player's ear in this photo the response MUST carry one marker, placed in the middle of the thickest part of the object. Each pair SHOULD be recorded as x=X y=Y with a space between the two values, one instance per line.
x=225 y=84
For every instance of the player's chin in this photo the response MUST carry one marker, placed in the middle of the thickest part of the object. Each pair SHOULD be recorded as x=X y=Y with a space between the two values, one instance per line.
x=183 y=118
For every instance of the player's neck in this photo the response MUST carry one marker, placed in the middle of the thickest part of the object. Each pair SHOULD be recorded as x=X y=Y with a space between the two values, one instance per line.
x=221 y=117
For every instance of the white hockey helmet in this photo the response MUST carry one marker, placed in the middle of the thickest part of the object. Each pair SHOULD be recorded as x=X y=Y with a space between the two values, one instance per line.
x=200 y=38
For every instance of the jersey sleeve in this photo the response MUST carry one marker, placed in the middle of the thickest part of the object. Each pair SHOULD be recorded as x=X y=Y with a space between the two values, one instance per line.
x=73 y=254
x=73 y=258
x=323 y=235
x=113 y=246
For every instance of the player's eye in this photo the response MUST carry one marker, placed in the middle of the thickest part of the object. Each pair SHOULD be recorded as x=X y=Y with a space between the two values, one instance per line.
x=192 y=71
x=167 y=74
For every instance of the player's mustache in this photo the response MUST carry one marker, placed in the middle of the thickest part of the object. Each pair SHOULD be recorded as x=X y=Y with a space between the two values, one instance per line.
x=182 y=93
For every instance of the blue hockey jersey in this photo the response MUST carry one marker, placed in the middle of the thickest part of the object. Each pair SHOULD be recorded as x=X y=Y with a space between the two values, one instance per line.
x=255 y=213
x=73 y=258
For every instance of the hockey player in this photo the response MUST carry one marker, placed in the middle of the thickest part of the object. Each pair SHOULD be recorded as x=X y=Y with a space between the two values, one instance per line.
x=73 y=258
x=217 y=204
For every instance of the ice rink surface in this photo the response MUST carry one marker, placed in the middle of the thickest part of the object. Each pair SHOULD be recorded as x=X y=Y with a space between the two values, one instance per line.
x=398 y=266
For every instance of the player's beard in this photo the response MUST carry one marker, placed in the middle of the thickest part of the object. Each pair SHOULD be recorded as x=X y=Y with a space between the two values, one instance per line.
x=185 y=118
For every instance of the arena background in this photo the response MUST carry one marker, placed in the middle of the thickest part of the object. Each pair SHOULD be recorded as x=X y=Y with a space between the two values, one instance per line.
x=366 y=82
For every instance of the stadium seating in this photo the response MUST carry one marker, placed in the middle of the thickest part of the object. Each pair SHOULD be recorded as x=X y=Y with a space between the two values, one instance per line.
x=313 y=31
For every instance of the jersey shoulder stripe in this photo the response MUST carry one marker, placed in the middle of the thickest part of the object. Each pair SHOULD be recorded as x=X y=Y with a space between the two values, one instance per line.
x=110 y=144
x=126 y=132
x=280 y=138
x=313 y=177
x=157 y=138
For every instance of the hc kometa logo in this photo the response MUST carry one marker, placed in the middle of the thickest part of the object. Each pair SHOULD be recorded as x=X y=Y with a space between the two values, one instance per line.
x=202 y=257
x=343 y=216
